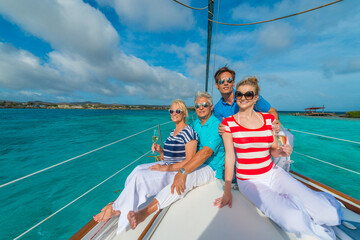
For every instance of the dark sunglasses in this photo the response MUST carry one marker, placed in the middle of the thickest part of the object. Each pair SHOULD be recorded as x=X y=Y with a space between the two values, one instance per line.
x=204 y=104
x=178 y=111
x=229 y=80
x=249 y=95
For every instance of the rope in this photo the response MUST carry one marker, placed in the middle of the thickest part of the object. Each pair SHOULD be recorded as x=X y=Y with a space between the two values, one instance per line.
x=327 y=163
x=340 y=139
x=271 y=20
x=217 y=19
x=47 y=218
x=58 y=164
x=100 y=228
x=190 y=6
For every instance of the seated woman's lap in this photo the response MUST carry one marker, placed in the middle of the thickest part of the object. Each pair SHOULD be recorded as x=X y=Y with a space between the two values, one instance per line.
x=321 y=206
x=140 y=168
x=278 y=191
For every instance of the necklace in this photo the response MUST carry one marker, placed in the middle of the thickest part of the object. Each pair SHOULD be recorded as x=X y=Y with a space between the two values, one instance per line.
x=261 y=120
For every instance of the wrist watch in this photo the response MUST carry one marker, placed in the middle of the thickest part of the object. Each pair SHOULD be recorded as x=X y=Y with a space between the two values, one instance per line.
x=182 y=170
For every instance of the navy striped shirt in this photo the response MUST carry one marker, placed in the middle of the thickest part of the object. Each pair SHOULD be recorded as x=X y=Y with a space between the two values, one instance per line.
x=174 y=147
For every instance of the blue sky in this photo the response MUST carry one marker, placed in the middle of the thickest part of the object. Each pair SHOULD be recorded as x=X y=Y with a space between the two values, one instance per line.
x=151 y=52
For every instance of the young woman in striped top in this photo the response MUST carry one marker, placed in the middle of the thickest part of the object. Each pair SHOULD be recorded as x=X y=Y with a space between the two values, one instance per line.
x=147 y=180
x=290 y=204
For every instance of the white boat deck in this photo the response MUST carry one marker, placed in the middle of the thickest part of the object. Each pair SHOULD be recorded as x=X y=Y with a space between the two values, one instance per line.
x=195 y=217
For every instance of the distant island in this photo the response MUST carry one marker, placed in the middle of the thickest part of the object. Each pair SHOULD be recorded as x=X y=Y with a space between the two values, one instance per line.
x=95 y=105
x=79 y=105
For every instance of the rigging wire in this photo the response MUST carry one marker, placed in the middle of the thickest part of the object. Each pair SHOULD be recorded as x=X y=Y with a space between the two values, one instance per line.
x=275 y=19
x=58 y=164
x=47 y=218
x=217 y=19
x=340 y=139
x=183 y=4
x=346 y=169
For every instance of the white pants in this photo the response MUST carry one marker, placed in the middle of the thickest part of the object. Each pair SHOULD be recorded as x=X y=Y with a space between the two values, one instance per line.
x=143 y=183
x=202 y=175
x=140 y=185
x=292 y=205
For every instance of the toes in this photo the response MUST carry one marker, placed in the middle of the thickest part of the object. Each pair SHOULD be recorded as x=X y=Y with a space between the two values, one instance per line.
x=97 y=218
x=132 y=219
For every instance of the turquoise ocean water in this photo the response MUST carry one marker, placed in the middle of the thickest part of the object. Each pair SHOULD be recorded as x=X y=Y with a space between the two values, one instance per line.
x=33 y=139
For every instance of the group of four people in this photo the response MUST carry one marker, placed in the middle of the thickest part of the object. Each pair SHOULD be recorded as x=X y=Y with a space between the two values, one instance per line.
x=196 y=155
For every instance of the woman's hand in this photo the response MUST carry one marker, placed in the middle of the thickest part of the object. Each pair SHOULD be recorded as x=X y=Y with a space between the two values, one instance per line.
x=226 y=199
x=158 y=167
x=285 y=150
x=156 y=147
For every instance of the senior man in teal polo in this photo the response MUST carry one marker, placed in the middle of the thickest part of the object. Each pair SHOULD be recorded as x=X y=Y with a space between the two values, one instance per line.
x=204 y=167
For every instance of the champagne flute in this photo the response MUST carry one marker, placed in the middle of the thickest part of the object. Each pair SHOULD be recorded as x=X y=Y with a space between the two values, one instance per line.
x=282 y=140
x=155 y=136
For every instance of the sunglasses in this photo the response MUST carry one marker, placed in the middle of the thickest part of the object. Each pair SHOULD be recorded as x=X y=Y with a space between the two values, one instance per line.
x=229 y=80
x=204 y=104
x=249 y=95
x=178 y=111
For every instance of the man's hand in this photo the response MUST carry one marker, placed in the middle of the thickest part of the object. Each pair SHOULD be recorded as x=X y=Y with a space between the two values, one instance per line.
x=179 y=183
x=221 y=129
x=276 y=126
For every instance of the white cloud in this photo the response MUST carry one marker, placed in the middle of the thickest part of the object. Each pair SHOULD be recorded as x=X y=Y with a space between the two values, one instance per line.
x=337 y=66
x=21 y=69
x=155 y=15
x=275 y=37
x=69 y=26
x=86 y=57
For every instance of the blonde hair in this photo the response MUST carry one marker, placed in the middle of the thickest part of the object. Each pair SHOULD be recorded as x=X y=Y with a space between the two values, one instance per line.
x=182 y=106
x=252 y=81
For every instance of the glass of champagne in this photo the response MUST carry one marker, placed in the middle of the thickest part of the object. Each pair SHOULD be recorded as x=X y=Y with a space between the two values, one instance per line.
x=155 y=137
x=282 y=140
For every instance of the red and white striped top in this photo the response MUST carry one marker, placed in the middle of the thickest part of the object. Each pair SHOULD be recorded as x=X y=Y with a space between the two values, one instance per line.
x=252 y=147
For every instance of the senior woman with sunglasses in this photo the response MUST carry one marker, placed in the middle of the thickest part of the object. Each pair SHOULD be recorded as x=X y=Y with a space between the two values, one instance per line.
x=289 y=203
x=147 y=180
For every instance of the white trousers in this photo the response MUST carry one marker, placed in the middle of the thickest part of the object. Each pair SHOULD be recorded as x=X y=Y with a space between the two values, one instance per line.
x=143 y=183
x=140 y=185
x=202 y=175
x=293 y=206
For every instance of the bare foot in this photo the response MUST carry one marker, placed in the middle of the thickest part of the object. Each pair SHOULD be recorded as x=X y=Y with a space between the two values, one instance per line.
x=135 y=218
x=106 y=213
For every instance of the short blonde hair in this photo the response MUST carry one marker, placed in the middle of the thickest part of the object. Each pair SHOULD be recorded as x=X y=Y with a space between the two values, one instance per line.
x=182 y=106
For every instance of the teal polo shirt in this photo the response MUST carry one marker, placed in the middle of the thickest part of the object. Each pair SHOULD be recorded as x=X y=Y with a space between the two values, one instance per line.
x=209 y=136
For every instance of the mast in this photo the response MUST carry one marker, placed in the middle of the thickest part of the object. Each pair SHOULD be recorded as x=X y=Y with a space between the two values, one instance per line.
x=210 y=16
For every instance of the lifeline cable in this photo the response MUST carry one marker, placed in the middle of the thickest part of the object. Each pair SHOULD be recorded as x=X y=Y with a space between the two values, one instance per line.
x=190 y=6
x=275 y=19
x=58 y=164
x=47 y=218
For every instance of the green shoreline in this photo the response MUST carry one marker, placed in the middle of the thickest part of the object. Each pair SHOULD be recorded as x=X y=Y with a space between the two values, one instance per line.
x=102 y=106
x=80 y=105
